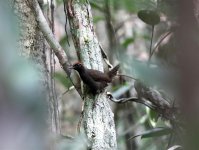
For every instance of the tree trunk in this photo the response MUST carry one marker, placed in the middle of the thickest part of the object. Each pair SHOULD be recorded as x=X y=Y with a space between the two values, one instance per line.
x=32 y=46
x=98 y=122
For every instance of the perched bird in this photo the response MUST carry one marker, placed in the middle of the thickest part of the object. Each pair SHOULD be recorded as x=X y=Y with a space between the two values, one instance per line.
x=94 y=79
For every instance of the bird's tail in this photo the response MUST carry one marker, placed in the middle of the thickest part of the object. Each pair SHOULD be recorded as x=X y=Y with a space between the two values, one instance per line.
x=113 y=72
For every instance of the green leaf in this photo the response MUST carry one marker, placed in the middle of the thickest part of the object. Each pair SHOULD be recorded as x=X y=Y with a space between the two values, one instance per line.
x=153 y=115
x=97 y=18
x=133 y=6
x=96 y=6
x=127 y=42
x=149 y=17
x=59 y=2
x=156 y=132
x=62 y=78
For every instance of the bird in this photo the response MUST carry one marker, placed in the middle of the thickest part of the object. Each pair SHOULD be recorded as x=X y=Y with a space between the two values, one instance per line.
x=95 y=79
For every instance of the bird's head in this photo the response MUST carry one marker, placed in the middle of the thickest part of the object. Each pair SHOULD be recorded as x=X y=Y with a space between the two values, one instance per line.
x=77 y=66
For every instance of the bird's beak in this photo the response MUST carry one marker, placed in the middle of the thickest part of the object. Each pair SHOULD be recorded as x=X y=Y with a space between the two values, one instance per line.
x=71 y=67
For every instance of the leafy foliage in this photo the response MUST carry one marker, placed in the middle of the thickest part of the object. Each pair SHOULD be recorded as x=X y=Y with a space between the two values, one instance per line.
x=155 y=132
x=63 y=79
x=127 y=42
x=149 y=17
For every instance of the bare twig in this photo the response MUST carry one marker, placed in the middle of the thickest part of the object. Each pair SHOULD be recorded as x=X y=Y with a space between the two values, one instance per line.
x=132 y=99
x=69 y=89
x=57 y=49
x=105 y=57
x=151 y=43
x=44 y=27
x=52 y=71
x=152 y=99
x=66 y=137
x=80 y=121
x=113 y=43
x=127 y=76
x=162 y=106
x=159 y=42
x=65 y=26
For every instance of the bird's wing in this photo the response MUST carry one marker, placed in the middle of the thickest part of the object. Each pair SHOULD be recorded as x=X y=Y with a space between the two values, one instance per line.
x=98 y=75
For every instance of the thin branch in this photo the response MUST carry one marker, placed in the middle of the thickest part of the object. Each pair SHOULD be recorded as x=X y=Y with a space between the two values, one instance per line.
x=80 y=121
x=162 y=106
x=54 y=44
x=65 y=26
x=159 y=42
x=150 y=51
x=66 y=137
x=69 y=89
x=152 y=99
x=44 y=27
x=123 y=75
x=52 y=6
x=52 y=71
x=113 y=43
x=105 y=57
x=132 y=99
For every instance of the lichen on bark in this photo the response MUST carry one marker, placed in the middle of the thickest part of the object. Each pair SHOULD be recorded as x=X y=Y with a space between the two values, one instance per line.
x=98 y=121
x=32 y=46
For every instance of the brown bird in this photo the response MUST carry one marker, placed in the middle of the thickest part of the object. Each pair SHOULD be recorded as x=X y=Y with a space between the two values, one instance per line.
x=95 y=79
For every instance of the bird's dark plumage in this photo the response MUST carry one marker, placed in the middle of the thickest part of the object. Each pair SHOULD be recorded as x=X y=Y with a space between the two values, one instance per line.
x=94 y=79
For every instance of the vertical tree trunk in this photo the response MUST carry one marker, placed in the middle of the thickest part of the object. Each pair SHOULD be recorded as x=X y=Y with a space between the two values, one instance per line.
x=110 y=30
x=98 y=122
x=32 y=45
x=188 y=54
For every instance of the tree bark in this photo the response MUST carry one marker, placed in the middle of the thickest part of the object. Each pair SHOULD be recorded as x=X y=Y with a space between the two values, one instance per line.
x=98 y=121
x=32 y=46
